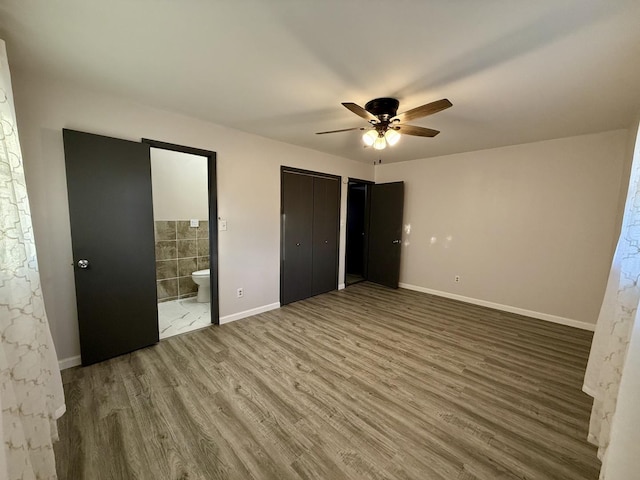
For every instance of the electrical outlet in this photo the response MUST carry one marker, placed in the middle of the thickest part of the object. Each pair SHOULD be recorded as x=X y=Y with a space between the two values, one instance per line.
x=457 y=278
x=240 y=292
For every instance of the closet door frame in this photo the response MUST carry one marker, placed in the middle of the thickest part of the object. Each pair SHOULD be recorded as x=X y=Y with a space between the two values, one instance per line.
x=365 y=248
x=284 y=169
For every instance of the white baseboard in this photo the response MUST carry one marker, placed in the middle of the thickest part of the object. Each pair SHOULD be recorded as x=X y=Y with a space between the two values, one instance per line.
x=341 y=286
x=506 y=308
x=65 y=363
x=248 y=313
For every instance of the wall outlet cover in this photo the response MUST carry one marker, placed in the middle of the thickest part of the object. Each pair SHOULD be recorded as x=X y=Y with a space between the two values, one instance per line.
x=195 y=222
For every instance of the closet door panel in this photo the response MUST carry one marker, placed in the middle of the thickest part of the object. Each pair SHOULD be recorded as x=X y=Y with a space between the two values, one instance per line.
x=326 y=225
x=297 y=228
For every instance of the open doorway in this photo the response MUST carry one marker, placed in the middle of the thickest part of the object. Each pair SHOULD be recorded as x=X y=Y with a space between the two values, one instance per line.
x=185 y=231
x=112 y=228
x=358 y=203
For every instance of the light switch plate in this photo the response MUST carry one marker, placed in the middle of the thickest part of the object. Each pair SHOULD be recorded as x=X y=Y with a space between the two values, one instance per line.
x=222 y=225
x=195 y=222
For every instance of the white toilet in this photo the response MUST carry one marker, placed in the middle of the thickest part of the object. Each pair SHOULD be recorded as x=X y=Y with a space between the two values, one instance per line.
x=201 y=278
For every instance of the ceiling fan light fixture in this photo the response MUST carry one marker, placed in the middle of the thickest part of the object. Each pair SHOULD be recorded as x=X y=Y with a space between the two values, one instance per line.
x=380 y=143
x=370 y=137
x=392 y=137
x=385 y=126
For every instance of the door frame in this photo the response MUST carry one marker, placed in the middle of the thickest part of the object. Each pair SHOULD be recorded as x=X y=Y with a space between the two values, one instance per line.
x=367 y=211
x=213 y=216
x=284 y=169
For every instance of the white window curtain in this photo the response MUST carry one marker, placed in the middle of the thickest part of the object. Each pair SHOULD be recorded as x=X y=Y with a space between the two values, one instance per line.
x=616 y=320
x=31 y=395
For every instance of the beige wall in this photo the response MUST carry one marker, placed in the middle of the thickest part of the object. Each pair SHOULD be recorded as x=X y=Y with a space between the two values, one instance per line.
x=180 y=185
x=248 y=190
x=528 y=226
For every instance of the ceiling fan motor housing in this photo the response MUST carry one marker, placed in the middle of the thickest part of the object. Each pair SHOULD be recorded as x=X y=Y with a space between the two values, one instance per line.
x=383 y=108
x=382 y=115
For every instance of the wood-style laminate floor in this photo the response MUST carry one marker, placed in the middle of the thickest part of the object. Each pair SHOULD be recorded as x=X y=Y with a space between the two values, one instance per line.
x=365 y=383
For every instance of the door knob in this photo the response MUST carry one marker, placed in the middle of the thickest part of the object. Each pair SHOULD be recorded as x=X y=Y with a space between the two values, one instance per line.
x=298 y=244
x=396 y=241
x=83 y=263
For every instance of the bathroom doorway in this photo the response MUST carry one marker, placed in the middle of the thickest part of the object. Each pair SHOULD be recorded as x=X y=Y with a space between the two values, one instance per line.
x=185 y=235
x=358 y=201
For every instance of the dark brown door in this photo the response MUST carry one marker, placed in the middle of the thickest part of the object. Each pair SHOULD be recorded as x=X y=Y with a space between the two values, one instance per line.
x=109 y=187
x=326 y=226
x=385 y=233
x=297 y=237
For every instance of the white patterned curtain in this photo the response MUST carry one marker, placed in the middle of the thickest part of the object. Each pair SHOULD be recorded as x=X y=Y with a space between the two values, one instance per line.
x=615 y=323
x=31 y=395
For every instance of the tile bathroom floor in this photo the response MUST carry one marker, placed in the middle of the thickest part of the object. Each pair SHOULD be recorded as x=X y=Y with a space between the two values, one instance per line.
x=181 y=316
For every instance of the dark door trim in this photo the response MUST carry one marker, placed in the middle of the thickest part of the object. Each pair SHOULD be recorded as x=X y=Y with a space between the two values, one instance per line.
x=368 y=182
x=365 y=253
x=284 y=169
x=300 y=171
x=213 y=216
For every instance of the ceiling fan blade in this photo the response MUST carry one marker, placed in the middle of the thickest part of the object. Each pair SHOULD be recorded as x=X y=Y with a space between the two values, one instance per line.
x=423 y=111
x=358 y=110
x=342 y=130
x=417 y=131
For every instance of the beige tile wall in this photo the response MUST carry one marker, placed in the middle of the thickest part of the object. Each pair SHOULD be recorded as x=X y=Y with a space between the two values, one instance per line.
x=180 y=251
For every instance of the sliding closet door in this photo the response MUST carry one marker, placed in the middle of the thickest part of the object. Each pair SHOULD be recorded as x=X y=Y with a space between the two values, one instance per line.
x=326 y=226
x=297 y=235
x=310 y=232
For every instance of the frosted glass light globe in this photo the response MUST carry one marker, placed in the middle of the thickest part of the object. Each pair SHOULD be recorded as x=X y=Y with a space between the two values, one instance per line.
x=370 y=137
x=392 y=137
x=380 y=143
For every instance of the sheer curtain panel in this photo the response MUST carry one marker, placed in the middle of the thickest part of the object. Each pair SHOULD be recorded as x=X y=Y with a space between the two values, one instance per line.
x=31 y=395
x=616 y=321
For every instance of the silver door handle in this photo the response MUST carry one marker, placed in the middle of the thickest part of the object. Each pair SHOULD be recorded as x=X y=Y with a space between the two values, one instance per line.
x=396 y=241
x=83 y=263
x=298 y=244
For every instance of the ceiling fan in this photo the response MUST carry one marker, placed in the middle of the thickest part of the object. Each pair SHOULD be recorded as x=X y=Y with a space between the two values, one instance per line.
x=386 y=124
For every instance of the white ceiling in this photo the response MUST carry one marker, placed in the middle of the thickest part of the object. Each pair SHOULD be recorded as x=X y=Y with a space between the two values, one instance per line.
x=515 y=71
